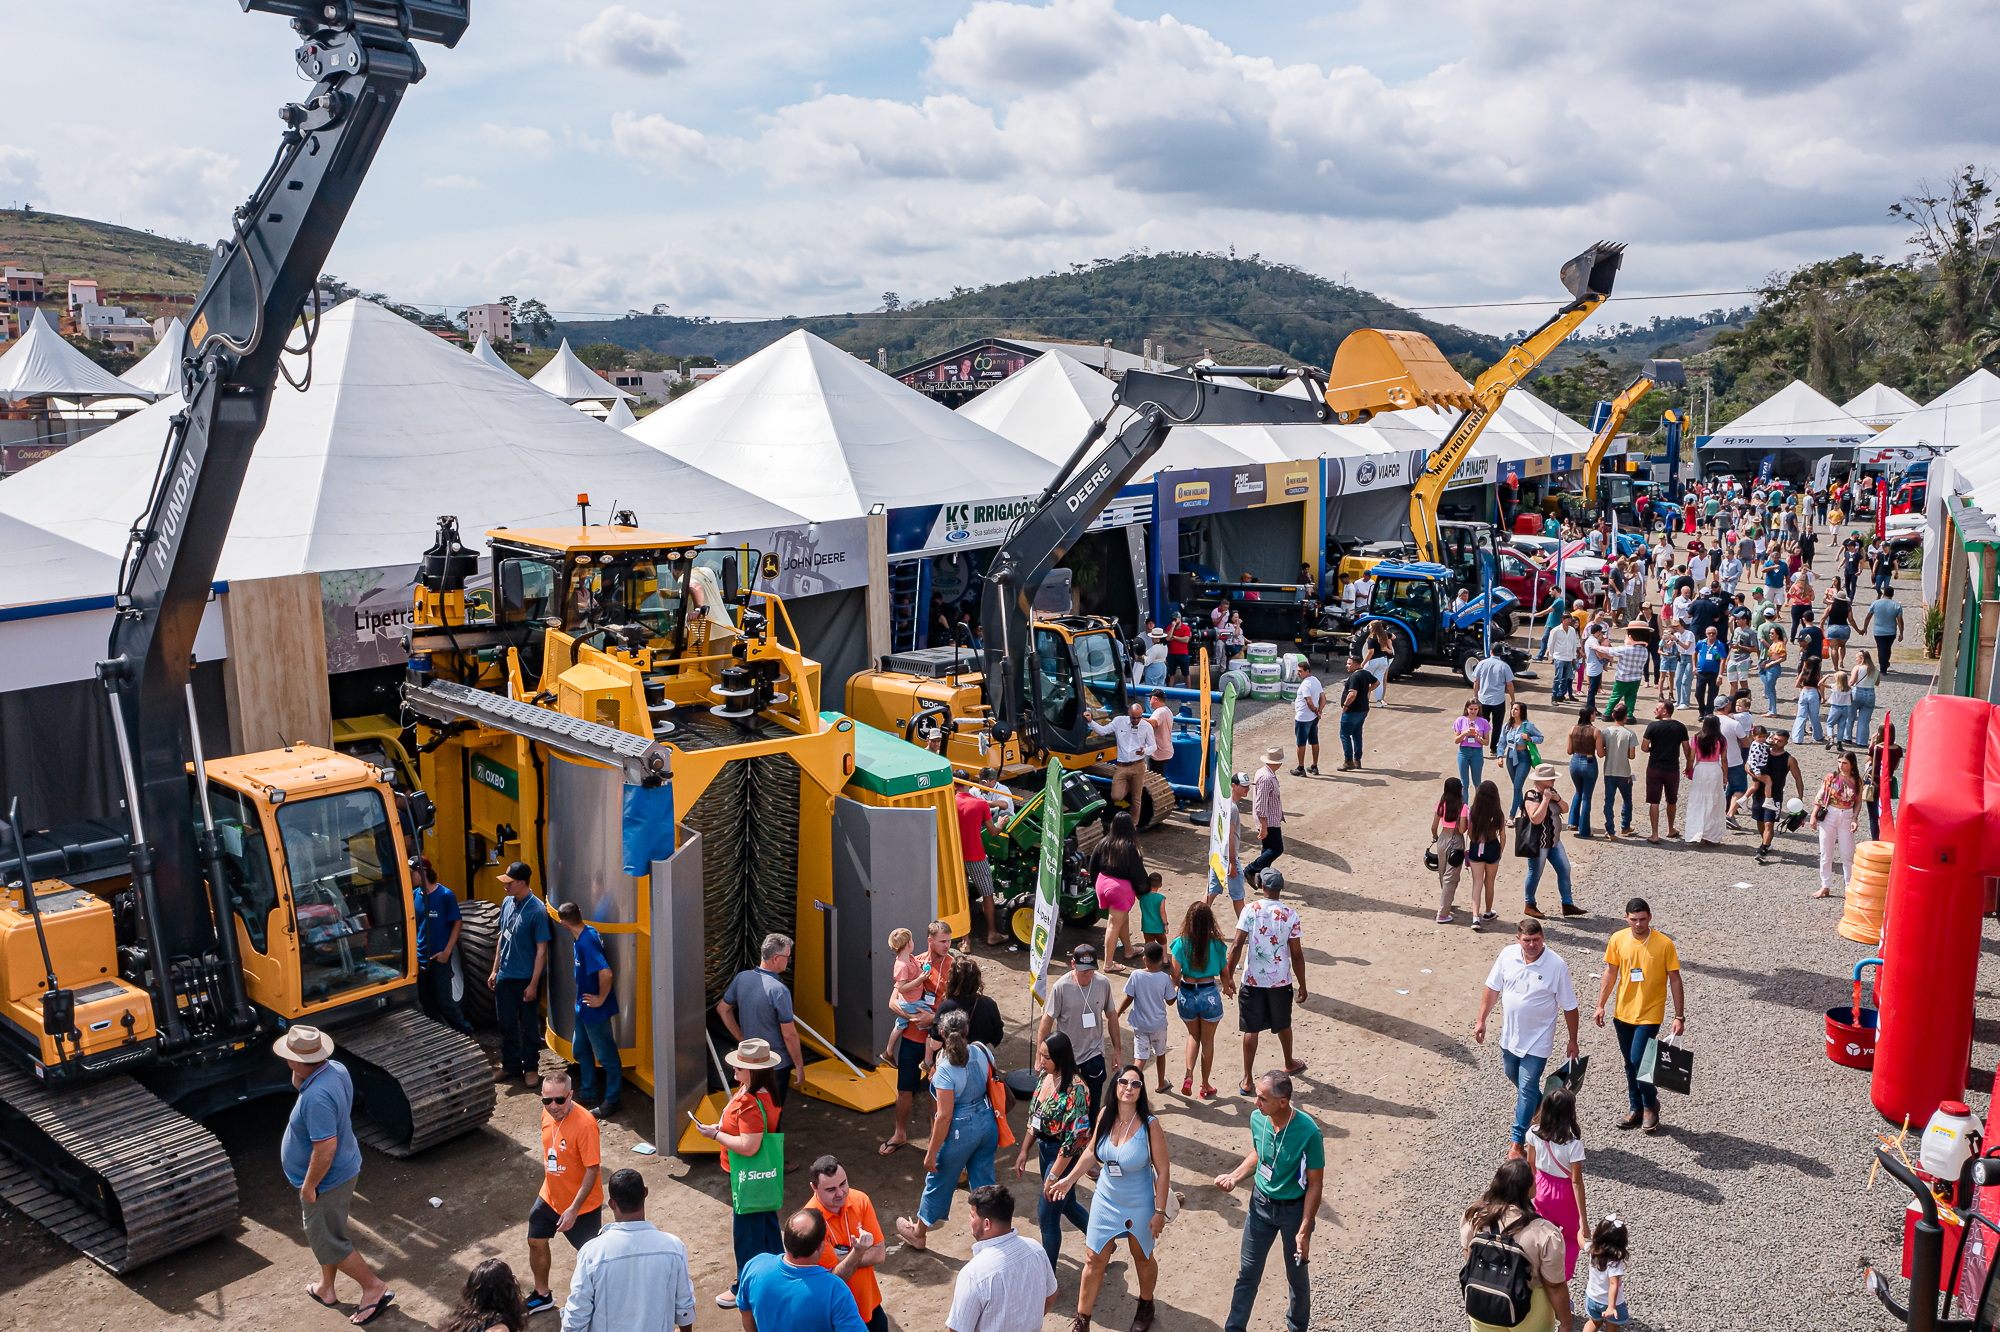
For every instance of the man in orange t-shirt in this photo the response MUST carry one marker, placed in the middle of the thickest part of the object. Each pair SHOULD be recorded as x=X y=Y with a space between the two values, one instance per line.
x=854 y=1242
x=572 y=1198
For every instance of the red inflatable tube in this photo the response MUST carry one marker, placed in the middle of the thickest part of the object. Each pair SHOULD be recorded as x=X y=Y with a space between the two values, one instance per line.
x=1930 y=936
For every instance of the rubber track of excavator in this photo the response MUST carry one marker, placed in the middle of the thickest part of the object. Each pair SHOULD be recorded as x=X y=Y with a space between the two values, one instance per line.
x=171 y=1178
x=444 y=1076
x=1163 y=801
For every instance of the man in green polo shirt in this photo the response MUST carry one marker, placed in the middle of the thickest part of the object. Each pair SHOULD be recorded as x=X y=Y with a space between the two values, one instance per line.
x=1289 y=1158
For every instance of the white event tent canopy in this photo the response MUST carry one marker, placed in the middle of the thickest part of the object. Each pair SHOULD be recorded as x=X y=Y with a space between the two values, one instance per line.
x=620 y=417
x=573 y=381
x=1797 y=417
x=1878 y=406
x=1962 y=413
x=397 y=428
x=1046 y=407
x=160 y=371
x=42 y=364
x=483 y=350
x=830 y=437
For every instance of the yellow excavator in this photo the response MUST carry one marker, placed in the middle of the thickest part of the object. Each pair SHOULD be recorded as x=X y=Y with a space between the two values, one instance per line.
x=1588 y=277
x=147 y=965
x=1655 y=374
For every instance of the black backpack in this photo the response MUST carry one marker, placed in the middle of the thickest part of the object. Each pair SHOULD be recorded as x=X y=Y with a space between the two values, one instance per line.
x=1497 y=1279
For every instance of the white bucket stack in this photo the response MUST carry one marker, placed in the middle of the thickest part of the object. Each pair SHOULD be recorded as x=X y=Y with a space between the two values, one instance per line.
x=1266 y=681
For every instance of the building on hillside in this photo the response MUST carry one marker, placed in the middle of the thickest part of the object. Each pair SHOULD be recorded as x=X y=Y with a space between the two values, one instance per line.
x=110 y=323
x=82 y=291
x=957 y=376
x=701 y=374
x=646 y=383
x=495 y=320
x=25 y=288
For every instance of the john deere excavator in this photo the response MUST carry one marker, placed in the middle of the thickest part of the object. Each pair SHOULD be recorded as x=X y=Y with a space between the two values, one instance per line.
x=264 y=889
x=1589 y=277
x=1655 y=374
x=1042 y=676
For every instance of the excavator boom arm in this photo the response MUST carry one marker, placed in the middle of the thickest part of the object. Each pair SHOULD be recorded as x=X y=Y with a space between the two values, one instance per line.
x=1655 y=374
x=1589 y=277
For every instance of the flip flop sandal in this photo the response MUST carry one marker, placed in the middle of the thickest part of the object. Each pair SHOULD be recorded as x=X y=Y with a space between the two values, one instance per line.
x=313 y=1295
x=1187 y=1085
x=890 y=1148
x=1245 y=1089
x=1296 y=1067
x=1208 y=1093
x=374 y=1310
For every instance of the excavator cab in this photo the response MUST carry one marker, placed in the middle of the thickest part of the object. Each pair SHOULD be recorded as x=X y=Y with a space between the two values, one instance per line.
x=1078 y=673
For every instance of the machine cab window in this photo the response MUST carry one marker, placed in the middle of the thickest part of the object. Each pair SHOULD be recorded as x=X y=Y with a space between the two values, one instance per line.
x=1411 y=600
x=347 y=892
x=1079 y=674
x=246 y=862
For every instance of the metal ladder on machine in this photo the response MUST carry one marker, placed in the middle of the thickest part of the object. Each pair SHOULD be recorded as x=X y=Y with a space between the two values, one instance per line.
x=909 y=590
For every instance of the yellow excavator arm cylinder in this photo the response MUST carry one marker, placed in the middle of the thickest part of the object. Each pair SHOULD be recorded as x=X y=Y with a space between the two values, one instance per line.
x=1588 y=277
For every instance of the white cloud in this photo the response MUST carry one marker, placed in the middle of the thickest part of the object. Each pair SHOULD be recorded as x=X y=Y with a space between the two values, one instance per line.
x=20 y=174
x=454 y=182
x=842 y=139
x=661 y=142
x=523 y=138
x=621 y=38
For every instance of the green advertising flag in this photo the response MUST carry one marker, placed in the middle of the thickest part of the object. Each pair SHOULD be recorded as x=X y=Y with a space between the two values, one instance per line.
x=1048 y=882
x=1225 y=764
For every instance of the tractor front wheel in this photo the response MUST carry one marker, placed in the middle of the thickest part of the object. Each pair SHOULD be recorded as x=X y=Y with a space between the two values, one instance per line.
x=1022 y=924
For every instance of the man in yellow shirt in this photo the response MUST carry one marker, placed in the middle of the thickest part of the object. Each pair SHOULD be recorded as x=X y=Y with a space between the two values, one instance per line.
x=1641 y=964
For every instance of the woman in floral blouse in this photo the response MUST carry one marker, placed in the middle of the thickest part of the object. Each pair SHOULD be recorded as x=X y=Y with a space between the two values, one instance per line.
x=1834 y=815
x=1058 y=1123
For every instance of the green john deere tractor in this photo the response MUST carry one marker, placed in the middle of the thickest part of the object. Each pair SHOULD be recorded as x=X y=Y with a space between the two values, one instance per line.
x=1015 y=854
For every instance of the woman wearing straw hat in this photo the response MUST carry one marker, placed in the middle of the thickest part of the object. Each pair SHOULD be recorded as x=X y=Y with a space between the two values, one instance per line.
x=741 y=1129
x=1545 y=808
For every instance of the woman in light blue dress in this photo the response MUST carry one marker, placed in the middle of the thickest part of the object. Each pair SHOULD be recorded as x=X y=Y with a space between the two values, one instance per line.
x=1130 y=1198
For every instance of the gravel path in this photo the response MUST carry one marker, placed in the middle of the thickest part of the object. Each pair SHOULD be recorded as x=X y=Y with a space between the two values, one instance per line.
x=1750 y=1206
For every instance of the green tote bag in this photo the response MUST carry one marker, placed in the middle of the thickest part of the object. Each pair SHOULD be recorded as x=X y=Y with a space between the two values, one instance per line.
x=757 y=1183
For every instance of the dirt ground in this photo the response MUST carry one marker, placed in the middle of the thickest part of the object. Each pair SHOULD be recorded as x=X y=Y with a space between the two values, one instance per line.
x=1392 y=994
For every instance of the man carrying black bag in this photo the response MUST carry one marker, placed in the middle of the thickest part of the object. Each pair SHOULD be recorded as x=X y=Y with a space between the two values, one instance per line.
x=1643 y=966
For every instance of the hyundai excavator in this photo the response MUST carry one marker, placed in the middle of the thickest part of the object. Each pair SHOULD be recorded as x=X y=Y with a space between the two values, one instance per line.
x=264 y=889
x=1588 y=277
x=1655 y=374
x=1042 y=675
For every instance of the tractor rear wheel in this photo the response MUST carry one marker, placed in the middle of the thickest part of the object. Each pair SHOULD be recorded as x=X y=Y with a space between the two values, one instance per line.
x=1021 y=923
x=1403 y=659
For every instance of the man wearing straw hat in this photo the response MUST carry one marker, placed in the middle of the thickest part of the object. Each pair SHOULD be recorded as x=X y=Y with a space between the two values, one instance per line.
x=322 y=1160
x=1267 y=806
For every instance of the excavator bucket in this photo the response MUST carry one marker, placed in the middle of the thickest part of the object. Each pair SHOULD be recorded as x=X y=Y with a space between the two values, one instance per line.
x=1592 y=272
x=1666 y=372
x=1376 y=367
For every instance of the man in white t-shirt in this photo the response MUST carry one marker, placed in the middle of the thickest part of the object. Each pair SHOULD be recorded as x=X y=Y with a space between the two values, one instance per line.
x=1305 y=720
x=1161 y=719
x=1533 y=986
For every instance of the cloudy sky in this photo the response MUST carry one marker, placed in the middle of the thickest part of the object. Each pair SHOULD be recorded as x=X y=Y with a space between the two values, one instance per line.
x=791 y=158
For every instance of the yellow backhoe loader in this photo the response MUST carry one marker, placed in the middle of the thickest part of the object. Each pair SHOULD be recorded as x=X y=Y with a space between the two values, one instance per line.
x=1653 y=376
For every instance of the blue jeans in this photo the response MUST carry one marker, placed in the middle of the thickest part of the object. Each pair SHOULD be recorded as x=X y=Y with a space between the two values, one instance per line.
x=754 y=1233
x=1471 y=766
x=1808 y=711
x=1557 y=856
x=1670 y=664
x=1051 y=1215
x=1632 y=1038
x=968 y=1147
x=1683 y=681
x=1350 y=736
x=1564 y=685
x=595 y=1045
x=1864 y=716
x=1270 y=1221
x=1769 y=675
x=1840 y=716
x=1525 y=1072
x=1518 y=767
x=520 y=1026
x=1613 y=788
x=1582 y=776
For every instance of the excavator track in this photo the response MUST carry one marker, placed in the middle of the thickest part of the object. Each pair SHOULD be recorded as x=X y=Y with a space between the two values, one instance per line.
x=418 y=1082
x=1156 y=798
x=112 y=1169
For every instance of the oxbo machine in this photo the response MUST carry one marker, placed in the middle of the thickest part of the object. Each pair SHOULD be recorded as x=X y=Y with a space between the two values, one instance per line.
x=624 y=712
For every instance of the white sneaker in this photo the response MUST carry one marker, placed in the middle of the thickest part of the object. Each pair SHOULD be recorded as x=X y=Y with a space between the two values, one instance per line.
x=726 y=1300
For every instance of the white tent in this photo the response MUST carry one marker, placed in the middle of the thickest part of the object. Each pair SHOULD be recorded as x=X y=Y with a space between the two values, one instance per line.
x=483 y=350
x=620 y=417
x=1962 y=413
x=1878 y=406
x=160 y=371
x=1542 y=425
x=829 y=436
x=41 y=363
x=1046 y=407
x=396 y=429
x=572 y=380
x=1797 y=416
